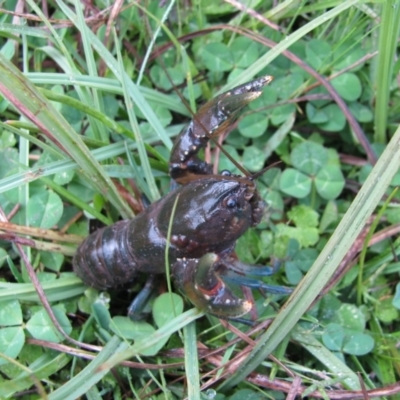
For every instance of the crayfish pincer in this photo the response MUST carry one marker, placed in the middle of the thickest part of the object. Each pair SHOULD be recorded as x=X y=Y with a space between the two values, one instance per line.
x=212 y=212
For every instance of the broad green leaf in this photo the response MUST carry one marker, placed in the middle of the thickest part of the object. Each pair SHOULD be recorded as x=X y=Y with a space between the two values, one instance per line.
x=52 y=261
x=295 y=183
x=226 y=163
x=336 y=119
x=101 y=313
x=318 y=53
x=12 y=340
x=7 y=140
x=41 y=327
x=303 y=216
x=305 y=236
x=281 y=113
x=166 y=307
x=329 y=182
x=349 y=54
x=132 y=330
x=287 y=85
x=44 y=209
x=274 y=203
x=247 y=394
x=3 y=255
x=396 y=298
x=351 y=317
x=10 y=313
x=333 y=337
x=269 y=96
x=253 y=158
x=296 y=266
x=348 y=86
x=309 y=157
x=361 y=112
x=329 y=216
x=385 y=311
x=244 y=52
x=138 y=331
x=253 y=125
x=159 y=75
x=217 y=57
x=8 y=160
x=64 y=177
x=316 y=115
x=358 y=344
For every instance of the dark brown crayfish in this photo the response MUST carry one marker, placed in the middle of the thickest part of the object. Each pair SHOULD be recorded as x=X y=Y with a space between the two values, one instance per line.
x=212 y=212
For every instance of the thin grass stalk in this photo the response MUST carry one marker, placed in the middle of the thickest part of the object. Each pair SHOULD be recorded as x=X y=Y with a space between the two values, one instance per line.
x=191 y=361
x=388 y=37
x=267 y=58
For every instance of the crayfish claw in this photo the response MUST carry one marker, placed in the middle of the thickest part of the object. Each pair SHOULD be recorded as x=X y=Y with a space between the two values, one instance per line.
x=213 y=118
x=196 y=278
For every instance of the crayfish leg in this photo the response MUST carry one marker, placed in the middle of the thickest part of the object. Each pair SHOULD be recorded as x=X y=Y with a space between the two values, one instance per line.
x=235 y=272
x=250 y=269
x=234 y=278
x=135 y=310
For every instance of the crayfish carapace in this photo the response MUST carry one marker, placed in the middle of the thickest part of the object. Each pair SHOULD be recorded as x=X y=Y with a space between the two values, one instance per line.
x=212 y=212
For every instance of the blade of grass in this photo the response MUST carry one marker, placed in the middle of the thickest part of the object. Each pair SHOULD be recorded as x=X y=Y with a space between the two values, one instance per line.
x=328 y=260
x=60 y=289
x=168 y=329
x=192 y=367
x=97 y=128
x=42 y=368
x=64 y=59
x=153 y=40
x=107 y=85
x=144 y=159
x=327 y=358
x=266 y=59
x=134 y=93
x=103 y=153
x=90 y=375
x=388 y=39
x=31 y=103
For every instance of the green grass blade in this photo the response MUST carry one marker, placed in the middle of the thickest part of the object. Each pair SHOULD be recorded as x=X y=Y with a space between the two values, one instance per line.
x=98 y=129
x=33 y=173
x=43 y=368
x=60 y=289
x=107 y=85
x=332 y=363
x=168 y=329
x=388 y=39
x=89 y=376
x=31 y=103
x=144 y=159
x=192 y=367
x=266 y=59
x=133 y=90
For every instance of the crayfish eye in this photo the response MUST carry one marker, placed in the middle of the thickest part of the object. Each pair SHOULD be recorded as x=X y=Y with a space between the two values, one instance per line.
x=230 y=202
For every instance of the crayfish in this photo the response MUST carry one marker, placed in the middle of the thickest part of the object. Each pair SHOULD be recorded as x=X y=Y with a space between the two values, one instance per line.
x=212 y=212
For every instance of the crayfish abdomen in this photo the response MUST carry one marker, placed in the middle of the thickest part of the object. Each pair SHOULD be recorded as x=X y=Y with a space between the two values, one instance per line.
x=211 y=213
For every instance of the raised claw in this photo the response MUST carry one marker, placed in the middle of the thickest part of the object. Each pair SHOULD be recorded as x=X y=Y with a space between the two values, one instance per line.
x=204 y=282
x=197 y=279
x=211 y=120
